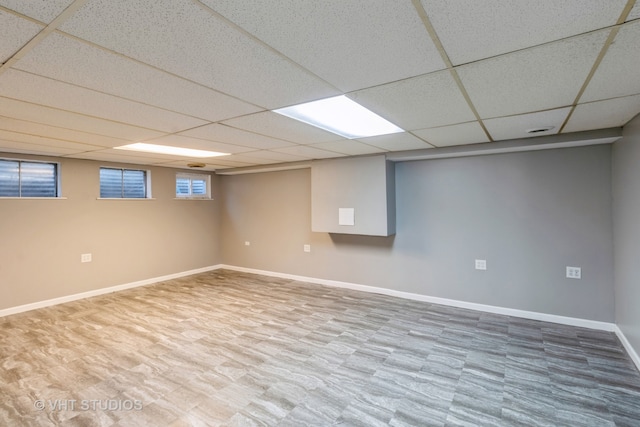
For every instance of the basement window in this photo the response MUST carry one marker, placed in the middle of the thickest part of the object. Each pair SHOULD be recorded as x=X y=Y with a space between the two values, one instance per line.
x=26 y=179
x=124 y=184
x=193 y=186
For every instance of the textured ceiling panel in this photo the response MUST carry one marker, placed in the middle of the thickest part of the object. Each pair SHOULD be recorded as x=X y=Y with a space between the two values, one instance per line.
x=51 y=93
x=460 y=134
x=66 y=59
x=619 y=71
x=603 y=114
x=121 y=157
x=37 y=129
x=349 y=147
x=396 y=142
x=333 y=38
x=278 y=126
x=635 y=12
x=21 y=147
x=273 y=155
x=64 y=119
x=38 y=140
x=230 y=135
x=472 y=30
x=42 y=10
x=426 y=101
x=308 y=152
x=14 y=33
x=182 y=37
x=198 y=144
x=515 y=127
x=201 y=73
x=539 y=78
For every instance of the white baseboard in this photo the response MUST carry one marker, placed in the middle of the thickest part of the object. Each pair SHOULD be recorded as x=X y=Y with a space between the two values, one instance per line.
x=96 y=292
x=627 y=345
x=572 y=321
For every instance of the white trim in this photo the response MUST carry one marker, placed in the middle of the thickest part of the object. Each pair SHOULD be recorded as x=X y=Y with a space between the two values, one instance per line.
x=627 y=345
x=102 y=291
x=33 y=198
x=572 y=321
x=125 y=198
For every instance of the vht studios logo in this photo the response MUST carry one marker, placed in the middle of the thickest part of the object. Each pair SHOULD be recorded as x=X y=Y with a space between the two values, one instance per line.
x=88 y=405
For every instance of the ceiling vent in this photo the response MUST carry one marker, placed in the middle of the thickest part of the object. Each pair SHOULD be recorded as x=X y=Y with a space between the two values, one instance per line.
x=540 y=130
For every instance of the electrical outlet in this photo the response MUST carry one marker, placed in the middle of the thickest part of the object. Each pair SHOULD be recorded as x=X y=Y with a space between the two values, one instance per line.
x=481 y=264
x=574 y=273
x=85 y=258
x=306 y=248
x=247 y=243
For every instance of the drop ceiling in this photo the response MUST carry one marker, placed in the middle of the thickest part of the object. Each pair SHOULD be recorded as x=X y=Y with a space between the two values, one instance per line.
x=81 y=77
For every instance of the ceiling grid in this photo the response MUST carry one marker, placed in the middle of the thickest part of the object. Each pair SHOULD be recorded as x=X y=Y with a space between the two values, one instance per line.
x=82 y=77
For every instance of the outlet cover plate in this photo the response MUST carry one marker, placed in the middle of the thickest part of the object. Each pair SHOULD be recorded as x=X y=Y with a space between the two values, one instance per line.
x=574 y=273
x=481 y=264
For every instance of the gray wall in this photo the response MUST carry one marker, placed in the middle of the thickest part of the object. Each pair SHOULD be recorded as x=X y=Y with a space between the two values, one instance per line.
x=626 y=210
x=528 y=214
x=41 y=240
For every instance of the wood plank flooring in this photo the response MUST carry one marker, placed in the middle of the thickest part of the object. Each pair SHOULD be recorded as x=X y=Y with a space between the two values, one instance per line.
x=234 y=349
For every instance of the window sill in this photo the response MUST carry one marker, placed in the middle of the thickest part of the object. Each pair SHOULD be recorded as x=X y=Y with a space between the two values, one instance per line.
x=127 y=199
x=194 y=198
x=33 y=198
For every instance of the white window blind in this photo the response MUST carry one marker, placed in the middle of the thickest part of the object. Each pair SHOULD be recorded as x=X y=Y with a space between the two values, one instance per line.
x=193 y=186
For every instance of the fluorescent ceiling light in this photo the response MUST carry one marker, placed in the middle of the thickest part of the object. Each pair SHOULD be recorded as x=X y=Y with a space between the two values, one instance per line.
x=342 y=116
x=166 y=149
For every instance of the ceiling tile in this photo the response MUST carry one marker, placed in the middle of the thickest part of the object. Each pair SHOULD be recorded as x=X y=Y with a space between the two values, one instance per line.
x=275 y=156
x=24 y=148
x=211 y=165
x=282 y=127
x=603 y=114
x=333 y=39
x=45 y=11
x=64 y=119
x=15 y=32
x=41 y=130
x=349 y=147
x=230 y=135
x=396 y=142
x=70 y=60
x=461 y=134
x=184 y=38
x=308 y=152
x=473 y=30
x=535 y=79
x=250 y=160
x=420 y=102
x=51 y=142
x=618 y=73
x=198 y=144
x=515 y=127
x=635 y=12
x=44 y=91
x=117 y=156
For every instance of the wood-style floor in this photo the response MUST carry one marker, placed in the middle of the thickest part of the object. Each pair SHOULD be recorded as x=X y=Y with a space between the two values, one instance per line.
x=234 y=349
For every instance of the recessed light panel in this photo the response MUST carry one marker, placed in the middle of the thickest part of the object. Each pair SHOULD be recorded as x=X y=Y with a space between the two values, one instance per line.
x=166 y=149
x=341 y=116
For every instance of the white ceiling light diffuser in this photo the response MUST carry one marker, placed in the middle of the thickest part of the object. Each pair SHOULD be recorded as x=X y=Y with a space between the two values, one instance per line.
x=166 y=149
x=341 y=116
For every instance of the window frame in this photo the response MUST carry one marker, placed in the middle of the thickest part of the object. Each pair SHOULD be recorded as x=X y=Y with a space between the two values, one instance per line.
x=147 y=183
x=193 y=176
x=57 y=178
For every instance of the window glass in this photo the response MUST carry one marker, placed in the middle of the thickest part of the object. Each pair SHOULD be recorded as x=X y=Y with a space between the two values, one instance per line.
x=123 y=183
x=28 y=179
